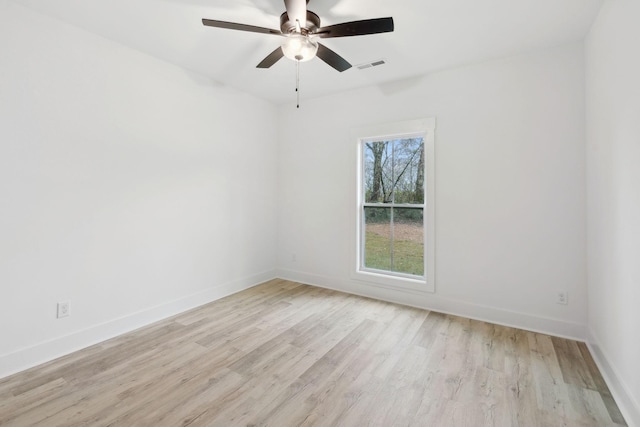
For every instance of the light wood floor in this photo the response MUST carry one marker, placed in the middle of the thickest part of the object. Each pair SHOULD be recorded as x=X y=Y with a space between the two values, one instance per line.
x=284 y=354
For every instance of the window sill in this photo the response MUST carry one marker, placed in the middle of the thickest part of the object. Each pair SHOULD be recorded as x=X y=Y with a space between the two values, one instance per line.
x=393 y=282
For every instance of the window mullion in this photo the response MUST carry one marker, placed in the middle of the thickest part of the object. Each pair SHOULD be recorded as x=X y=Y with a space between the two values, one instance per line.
x=393 y=200
x=392 y=240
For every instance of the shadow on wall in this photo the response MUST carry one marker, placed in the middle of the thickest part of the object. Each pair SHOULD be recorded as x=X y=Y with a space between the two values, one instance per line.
x=400 y=86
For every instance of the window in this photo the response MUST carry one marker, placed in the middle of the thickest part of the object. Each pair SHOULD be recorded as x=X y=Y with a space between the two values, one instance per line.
x=393 y=205
x=394 y=236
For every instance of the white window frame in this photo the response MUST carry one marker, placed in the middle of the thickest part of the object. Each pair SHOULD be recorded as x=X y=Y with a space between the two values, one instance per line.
x=424 y=128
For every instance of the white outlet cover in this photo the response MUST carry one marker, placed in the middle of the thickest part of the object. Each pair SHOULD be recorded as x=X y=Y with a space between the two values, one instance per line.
x=562 y=297
x=63 y=309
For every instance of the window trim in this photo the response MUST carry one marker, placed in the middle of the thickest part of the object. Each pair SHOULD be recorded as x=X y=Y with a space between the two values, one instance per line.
x=406 y=129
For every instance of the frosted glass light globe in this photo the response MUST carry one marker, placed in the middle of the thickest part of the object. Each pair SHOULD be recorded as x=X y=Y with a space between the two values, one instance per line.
x=298 y=47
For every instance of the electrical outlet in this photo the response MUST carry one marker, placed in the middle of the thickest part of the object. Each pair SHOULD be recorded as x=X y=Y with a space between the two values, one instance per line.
x=562 y=297
x=63 y=309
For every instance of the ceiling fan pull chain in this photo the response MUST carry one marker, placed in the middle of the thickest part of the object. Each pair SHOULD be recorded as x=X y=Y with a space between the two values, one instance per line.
x=298 y=84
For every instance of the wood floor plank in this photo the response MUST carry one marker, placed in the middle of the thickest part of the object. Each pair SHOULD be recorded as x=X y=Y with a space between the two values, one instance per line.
x=287 y=354
x=601 y=385
x=551 y=391
x=293 y=405
x=430 y=329
x=572 y=364
x=396 y=402
x=521 y=385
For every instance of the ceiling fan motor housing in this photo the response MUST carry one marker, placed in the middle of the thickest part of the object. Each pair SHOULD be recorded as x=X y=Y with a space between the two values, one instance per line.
x=288 y=27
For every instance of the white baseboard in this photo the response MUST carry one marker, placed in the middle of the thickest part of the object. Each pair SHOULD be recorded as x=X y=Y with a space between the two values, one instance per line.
x=629 y=406
x=32 y=356
x=430 y=301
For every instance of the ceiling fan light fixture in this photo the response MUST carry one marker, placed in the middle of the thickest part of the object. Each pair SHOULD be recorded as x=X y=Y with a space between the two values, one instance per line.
x=299 y=47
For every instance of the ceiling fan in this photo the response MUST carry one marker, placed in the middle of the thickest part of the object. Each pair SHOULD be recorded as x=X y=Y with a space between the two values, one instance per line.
x=301 y=27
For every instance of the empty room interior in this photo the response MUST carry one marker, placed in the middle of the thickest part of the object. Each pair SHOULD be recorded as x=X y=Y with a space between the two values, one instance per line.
x=407 y=214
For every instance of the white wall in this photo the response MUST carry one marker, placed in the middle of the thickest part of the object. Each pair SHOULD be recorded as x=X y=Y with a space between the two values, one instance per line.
x=510 y=187
x=128 y=187
x=613 y=183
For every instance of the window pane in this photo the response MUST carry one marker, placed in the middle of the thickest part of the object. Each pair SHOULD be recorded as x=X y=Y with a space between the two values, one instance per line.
x=408 y=170
x=377 y=238
x=408 y=241
x=394 y=171
x=377 y=172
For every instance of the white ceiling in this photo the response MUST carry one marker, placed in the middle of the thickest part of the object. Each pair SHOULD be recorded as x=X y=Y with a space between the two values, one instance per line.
x=429 y=35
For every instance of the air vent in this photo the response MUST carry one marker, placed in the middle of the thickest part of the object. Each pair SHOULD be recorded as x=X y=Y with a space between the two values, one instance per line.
x=371 y=64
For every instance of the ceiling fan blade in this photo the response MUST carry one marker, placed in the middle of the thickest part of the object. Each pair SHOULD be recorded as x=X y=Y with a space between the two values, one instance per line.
x=271 y=59
x=356 y=28
x=332 y=58
x=241 y=27
x=297 y=11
